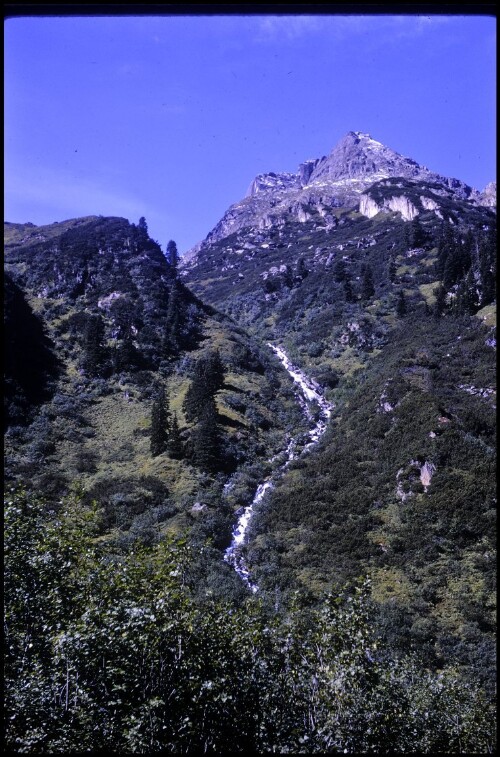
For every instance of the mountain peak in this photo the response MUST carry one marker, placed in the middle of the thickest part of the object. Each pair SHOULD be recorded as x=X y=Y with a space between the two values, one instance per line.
x=337 y=180
x=358 y=156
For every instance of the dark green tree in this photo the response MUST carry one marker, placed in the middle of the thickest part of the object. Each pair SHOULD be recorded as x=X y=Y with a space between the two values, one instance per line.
x=175 y=447
x=440 y=303
x=142 y=225
x=401 y=307
x=446 y=246
x=206 y=439
x=208 y=378
x=467 y=297
x=173 y=257
x=302 y=270
x=392 y=268
x=417 y=235
x=95 y=353
x=340 y=271
x=288 y=278
x=212 y=370
x=348 y=291
x=160 y=422
x=458 y=262
x=172 y=336
x=487 y=261
x=367 y=285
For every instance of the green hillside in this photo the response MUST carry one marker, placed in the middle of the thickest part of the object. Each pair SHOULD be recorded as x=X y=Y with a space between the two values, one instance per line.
x=143 y=408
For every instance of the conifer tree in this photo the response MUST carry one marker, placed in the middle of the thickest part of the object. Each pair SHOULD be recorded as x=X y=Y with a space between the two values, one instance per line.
x=392 y=270
x=208 y=378
x=142 y=225
x=367 y=286
x=160 y=422
x=446 y=247
x=174 y=443
x=339 y=271
x=467 y=298
x=173 y=318
x=487 y=266
x=173 y=257
x=348 y=291
x=288 y=279
x=401 y=307
x=212 y=369
x=302 y=271
x=206 y=439
x=95 y=354
x=440 y=304
x=416 y=233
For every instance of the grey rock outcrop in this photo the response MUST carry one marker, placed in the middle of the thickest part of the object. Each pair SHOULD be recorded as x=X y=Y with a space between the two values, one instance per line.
x=488 y=196
x=340 y=179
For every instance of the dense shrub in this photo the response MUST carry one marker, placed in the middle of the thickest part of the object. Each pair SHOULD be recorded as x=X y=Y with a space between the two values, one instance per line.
x=109 y=652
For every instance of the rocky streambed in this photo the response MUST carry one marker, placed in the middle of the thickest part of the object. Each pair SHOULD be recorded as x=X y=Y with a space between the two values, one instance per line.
x=307 y=392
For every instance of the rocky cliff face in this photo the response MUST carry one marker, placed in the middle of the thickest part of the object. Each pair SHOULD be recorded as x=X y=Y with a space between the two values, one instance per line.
x=338 y=180
x=489 y=195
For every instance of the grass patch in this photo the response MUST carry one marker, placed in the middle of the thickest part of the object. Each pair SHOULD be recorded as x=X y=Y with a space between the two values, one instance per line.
x=427 y=292
x=390 y=584
x=488 y=315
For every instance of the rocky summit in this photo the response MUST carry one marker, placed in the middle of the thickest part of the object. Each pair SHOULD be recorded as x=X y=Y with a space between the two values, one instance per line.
x=341 y=180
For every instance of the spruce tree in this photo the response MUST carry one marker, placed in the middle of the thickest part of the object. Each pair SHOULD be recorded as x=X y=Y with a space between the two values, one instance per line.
x=288 y=278
x=367 y=286
x=174 y=443
x=416 y=233
x=446 y=247
x=173 y=257
x=173 y=325
x=160 y=418
x=440 y=304
x=467 y=298
x=302 y=271
x=348 y=291
x=95 y=353
x=392 y=269
x=213 y=371
x=339 y=271
x=401 y=307
x=487 y=266
x=206 y=439
x=208 y=378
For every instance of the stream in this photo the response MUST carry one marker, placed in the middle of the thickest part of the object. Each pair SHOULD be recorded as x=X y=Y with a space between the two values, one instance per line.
x=308 y=391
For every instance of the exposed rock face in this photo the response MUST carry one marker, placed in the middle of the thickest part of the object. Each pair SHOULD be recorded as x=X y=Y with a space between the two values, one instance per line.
x=340 y=179
x=428 y=203
x=488 y=196
x=399 y=204
x=426 y=473
x=368 y=207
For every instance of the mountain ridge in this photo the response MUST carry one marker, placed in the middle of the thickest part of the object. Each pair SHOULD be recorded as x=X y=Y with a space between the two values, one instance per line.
x=320 y=185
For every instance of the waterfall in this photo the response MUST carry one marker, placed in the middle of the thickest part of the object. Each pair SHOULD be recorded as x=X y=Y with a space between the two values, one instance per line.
x=308 y=391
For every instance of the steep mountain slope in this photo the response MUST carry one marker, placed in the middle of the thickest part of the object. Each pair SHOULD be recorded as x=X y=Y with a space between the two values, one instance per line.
x=98 y=327
x=388 y=301
x=158 y=416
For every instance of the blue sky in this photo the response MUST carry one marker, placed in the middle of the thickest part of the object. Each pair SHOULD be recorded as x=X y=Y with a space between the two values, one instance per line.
x=172 y=117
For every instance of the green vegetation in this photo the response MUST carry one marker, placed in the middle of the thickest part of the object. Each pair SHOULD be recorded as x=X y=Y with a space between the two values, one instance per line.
x=126 y=630
x=110 y=651
x=112 y=326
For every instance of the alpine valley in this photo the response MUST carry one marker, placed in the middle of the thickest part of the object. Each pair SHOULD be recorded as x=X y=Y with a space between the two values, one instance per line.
x=250 y=493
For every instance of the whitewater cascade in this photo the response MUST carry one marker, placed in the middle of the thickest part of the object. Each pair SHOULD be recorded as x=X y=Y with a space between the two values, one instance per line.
x=309 y=391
